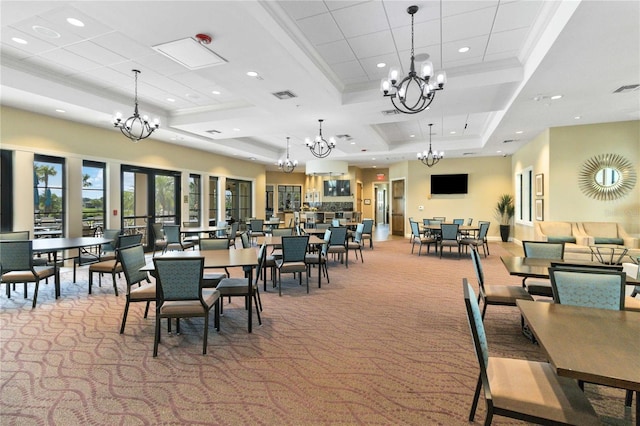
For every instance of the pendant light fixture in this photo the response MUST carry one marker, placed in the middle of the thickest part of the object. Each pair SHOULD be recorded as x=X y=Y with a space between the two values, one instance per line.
x=430 y=158
x=287 y=165
x=135 y=127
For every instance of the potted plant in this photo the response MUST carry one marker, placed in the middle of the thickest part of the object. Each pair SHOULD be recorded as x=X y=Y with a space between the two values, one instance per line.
x=504 y=213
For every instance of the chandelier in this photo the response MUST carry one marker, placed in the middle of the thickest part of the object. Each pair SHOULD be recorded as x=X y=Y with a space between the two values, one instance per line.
x=415 y=92
x=430 y=158
x=319 y=146
x=135 y=127
x=287 y=165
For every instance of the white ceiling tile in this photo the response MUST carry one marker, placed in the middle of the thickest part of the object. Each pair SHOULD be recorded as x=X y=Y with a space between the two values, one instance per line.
x=425 y=34
x=468 y=25
x=320 y=29
x=107 y=77
x=507 y=41
x=123 y=45
x=66 y=36
x=477 y=47
x=398 y=16
x=351 y=69
x=353 y=23
x=336 y=52
x=450 y=8
x=51 y=67
x=70 y=60
x=161 y=64
x=92 y=27
x=34 y=45
x=517 y=15
x=370 y=65
x=341 y=4
x=372 y=44
x=93 y=52
x=303 y=9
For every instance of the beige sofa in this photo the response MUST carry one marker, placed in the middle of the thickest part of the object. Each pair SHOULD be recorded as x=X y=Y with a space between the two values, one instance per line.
x=578 y=236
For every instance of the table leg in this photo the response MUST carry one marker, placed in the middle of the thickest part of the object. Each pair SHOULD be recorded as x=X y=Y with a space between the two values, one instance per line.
x=249 y=301
x=57 y=274
x=320 y=267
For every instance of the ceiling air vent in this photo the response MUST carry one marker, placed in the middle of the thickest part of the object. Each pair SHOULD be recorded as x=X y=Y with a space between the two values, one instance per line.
x=285 y=94
x=468 y=153
x=346 y=137
x=626 y=89
x=214 y=132
x=509 y=140
x=391 y=112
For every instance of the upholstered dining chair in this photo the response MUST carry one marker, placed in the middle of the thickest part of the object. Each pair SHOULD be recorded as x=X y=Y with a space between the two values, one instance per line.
x=421 y=239
x=356 y=243
x=233 y=234
x=294 y=250
x=592 y=288
x=113 y=266
x=320 y=259
x=449 y=237
x=180 y=295
x=25 y=235
x=211 y=279
x=522 y=389
x=505 y=295
x=541 y=250
x=241 y=287
x=479 y=240
x=256 y=227
x=158 y=238
x=458 y=221
x=338 y=244
x=16 y=266
x=174 y=240
x=132 y=259
x=367 y=231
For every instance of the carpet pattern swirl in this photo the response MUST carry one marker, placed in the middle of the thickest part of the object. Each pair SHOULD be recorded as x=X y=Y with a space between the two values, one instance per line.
x=385 y=343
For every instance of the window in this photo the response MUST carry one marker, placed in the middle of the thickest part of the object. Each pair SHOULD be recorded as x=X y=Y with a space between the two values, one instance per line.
x=238 y=200
x=6 y=189
x=93 y=196
x=524 y=196
x=48 y=196
x=213 y=199
x=194 y=198
x=289 y=197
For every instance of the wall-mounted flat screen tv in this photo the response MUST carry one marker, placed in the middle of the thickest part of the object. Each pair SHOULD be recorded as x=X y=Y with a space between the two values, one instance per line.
x=449 y=184
x=337 y=188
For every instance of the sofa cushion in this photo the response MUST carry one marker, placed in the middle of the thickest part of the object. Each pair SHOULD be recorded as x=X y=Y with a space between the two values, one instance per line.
x=555 y=228
x=606 y=240
x=601 y=229
x=561 y=239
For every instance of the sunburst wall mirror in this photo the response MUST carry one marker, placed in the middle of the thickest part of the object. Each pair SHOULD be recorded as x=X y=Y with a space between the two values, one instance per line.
x=607 y=177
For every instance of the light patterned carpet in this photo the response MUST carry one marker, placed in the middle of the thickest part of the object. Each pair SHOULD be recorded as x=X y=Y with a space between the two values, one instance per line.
x=385 y=343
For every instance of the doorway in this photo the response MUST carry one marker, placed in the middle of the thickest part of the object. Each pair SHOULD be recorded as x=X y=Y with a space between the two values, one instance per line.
x=381 y=210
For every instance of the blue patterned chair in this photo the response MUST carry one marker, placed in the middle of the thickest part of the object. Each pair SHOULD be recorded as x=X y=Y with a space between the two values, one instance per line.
x=541 y=250
x=132 y=259
x=522 y=389
x=294 y=250
x=180 y=295
x=592 y=288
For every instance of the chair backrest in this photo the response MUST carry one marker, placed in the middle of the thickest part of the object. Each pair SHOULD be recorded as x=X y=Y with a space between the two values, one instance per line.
x=477 y=267
x=222 y=233
x=415 y=229
x=590 y=288
x=111 y=234
x=15 y=235
x=368 y=226
x=338 y=236
x=348 y=216
x=158 y=233
x=214 y=244
x=132 y=259
x=281 y=232
x=172 y=232
x=294 y=248
x=335 y=222
x=357 y=238
x=481 y=347
x=469 y=221
x=426 y=222
x=323 y=226
x=440 y=218
x=128 y=240
x=246 y=243
x=543 y=249
x=484 y=228
x=178 y=278
x=434 y=222
x=458 y=221
x=16 y=255
x=234 y=230
x=449 y=231
x=256 y=225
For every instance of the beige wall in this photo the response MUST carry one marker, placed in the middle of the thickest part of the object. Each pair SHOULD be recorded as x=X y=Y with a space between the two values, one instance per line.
x=559 y=153
x=27 y=133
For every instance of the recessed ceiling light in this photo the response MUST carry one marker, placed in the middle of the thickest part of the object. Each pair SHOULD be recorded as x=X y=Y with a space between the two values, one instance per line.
x=353 y=143
x=60 y=110
x=44 y=31
x=171 y=100
x=556 y=97
x=577 y=117
x=381 y=65
x=19 y=40
x=252 y=74
x=453 y=132
x=519 y=132
x=412 y=136
x=235 y=129
x=374 y=158
x=252 y=158
x=75 y=22
x=498 y=151
x=215 y=92
x=374 y=166
x=463 y=49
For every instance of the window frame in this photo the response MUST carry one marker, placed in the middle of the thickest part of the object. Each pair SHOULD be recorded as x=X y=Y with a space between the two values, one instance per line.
x=524 y=196
x=62 y=189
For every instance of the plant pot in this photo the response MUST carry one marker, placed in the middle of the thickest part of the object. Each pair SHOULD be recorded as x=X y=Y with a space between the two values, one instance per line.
x=504 y=232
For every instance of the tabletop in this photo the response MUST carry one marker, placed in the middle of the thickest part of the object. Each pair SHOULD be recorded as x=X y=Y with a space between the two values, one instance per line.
x=214 y=258
x=461 y=228
x=271 y=240
x=204 y=229
x=55 y=244
x=539 y=268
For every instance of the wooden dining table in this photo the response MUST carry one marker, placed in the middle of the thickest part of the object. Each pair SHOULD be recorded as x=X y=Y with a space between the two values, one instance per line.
x=220 y=259
x=598 y=346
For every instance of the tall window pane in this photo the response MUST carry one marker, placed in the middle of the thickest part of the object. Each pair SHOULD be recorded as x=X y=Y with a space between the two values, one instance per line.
x=48 y=196
x=194 y=198
x=165 y=196
x=213 y=199
x=93 y=196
